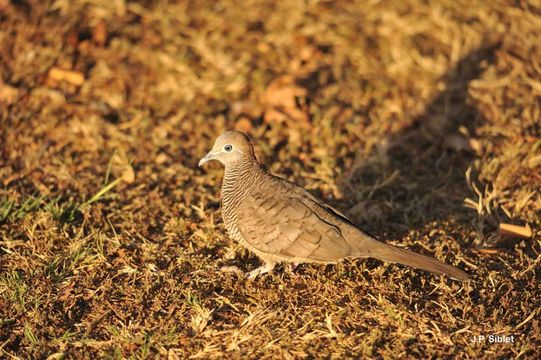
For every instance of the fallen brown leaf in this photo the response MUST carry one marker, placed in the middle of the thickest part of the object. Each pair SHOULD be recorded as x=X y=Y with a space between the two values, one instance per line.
x=70 y=76
x=8 y=94
x=522 y=232
x=121 y=167
x=244 y=125
x=280 y=102
x=99 y=33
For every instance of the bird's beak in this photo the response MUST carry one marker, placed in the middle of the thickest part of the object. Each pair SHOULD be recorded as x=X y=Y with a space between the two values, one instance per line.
x=206 y=159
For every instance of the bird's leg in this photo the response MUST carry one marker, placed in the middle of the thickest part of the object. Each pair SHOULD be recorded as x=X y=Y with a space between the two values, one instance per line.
x=261 y=270
x=232 y=252
x=292 y=266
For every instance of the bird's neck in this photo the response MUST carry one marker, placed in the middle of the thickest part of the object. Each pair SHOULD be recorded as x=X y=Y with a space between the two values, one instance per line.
x=239 y=178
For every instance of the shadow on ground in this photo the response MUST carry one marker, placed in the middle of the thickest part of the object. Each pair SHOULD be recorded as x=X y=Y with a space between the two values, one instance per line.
x=417 y=175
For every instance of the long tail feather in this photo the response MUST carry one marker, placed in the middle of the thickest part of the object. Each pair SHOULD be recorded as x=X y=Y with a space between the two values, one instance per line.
x=373 y=248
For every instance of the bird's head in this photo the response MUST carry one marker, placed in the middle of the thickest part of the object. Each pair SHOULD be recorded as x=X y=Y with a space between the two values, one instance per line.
x=230 y=148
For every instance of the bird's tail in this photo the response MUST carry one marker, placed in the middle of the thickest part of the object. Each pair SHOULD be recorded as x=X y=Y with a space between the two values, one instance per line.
x=371 y=247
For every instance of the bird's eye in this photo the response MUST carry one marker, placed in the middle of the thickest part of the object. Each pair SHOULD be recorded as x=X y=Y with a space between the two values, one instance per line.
x=228 y=148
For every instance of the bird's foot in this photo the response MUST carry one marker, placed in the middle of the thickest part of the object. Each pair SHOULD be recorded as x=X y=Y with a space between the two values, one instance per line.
x=231 y=253
x=292 y=266
x=260 y=270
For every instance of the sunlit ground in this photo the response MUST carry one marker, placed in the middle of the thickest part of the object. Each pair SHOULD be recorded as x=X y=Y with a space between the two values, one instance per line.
x=419 y=120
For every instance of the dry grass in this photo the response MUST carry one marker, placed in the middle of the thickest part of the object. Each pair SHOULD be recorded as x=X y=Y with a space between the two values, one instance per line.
x=421 y=120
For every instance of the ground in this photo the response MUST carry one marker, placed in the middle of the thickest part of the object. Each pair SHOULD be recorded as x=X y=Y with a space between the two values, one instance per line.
x=418 y=119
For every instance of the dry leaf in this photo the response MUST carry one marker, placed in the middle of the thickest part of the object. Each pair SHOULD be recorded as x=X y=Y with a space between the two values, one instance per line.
x=121 y=167
x=4 y=4
x=487 y=250
x=8 y=94
x=244 y=125
x=66 y=292
x=282 y=92
x=128 y=175
x=280 y=102
x=99 y=33
x=516 y=231
x=162 y=158
x=72 y=77
x=475 y=145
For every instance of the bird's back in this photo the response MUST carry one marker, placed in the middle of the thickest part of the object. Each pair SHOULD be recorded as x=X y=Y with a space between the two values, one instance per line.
x=280 y=219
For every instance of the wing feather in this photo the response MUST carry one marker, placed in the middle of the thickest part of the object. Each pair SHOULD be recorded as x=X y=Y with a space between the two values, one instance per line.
x=284 y=223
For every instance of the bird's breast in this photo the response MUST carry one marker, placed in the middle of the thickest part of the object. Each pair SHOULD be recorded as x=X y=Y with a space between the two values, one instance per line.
x=231 y=200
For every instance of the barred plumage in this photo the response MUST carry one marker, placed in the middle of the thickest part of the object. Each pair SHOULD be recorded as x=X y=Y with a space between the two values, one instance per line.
x=280 y=221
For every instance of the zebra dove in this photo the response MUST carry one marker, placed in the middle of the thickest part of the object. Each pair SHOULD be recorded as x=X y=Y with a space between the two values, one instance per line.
x=282 y=222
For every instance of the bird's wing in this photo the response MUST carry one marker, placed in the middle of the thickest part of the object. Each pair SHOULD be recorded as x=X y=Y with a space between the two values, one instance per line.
x=276 y=220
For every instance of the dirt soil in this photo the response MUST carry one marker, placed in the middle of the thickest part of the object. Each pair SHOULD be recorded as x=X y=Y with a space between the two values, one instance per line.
x=421 y=120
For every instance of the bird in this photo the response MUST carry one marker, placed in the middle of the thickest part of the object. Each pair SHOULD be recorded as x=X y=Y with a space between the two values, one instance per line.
x=281 y=222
